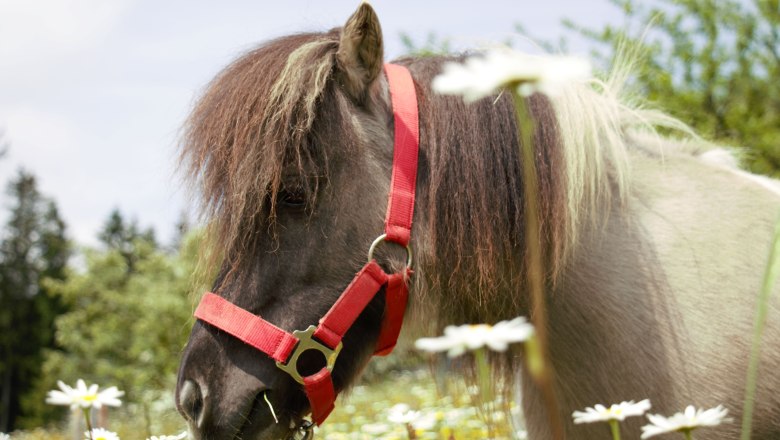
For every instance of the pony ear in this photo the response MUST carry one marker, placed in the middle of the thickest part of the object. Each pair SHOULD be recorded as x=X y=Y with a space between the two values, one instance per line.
x=360 y=51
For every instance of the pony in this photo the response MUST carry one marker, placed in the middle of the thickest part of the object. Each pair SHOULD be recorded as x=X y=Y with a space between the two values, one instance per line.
x=654 y=246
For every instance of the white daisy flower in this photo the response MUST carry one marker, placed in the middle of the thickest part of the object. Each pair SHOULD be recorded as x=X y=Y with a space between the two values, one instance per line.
x=4 y=436
x=484 y=75
x=402 y=414
x=426 y=422
x=100 y=434
x=458 y=339
x=617 y=411
x=375 y=429
x=686 y=421
x=455 y=415
x=180 y=436
x=83 y=397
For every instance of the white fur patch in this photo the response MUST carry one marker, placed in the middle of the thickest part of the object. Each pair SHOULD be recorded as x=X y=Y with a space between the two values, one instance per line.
x=725 y=159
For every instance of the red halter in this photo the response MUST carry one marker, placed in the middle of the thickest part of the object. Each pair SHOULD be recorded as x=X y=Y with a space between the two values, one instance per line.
x=284 y=347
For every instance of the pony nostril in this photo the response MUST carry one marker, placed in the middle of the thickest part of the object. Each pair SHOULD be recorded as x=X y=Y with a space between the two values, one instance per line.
x=191 y=402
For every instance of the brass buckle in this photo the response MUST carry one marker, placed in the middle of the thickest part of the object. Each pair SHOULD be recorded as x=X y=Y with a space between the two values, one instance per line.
x=307 y=342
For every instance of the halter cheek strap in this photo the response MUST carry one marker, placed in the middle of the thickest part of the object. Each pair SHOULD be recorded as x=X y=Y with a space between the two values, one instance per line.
x=284 y=347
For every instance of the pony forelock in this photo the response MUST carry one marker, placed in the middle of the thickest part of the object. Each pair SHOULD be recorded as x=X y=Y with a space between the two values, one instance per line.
x=248 y=130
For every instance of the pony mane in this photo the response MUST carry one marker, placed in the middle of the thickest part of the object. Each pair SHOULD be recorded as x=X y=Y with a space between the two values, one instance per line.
x=474 y=265
x=599 y=123
x=250 y=128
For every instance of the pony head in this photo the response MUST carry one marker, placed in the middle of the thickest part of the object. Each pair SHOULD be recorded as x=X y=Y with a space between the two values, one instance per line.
x=290 y=147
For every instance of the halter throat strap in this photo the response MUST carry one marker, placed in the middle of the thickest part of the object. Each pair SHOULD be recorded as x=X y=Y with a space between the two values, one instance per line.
x=326 y=337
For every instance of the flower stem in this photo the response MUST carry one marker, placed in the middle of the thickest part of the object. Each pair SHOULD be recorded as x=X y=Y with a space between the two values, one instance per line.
x=410 y=432
x=89 y=422
x=485 y=388
x=770 y=277
x=533 y=357
x=613 y=425
x=483 y=374
x=534 y=268
x=688 y=434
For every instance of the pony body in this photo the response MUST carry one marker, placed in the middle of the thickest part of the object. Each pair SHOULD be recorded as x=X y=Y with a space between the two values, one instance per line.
x=654 y=252
x=659 y=301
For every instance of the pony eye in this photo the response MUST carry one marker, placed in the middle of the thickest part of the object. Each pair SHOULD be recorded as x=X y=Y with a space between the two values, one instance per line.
x=293 y=198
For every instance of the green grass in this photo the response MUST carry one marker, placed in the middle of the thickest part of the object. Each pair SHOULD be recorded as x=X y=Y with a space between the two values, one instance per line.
x=447 y=410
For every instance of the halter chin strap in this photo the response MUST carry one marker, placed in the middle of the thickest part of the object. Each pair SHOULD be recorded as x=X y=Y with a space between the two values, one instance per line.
x=285 y=348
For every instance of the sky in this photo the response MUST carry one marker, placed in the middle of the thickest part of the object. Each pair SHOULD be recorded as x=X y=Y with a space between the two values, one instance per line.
x=93 y=93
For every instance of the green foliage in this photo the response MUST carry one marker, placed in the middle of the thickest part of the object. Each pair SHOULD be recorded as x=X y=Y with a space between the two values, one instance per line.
x=432 y=46
x=714 y=64
x=129 y=318
x=33 y=249
x=124 y=237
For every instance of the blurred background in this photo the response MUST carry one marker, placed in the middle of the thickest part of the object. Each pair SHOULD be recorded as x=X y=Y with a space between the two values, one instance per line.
x=97 y=240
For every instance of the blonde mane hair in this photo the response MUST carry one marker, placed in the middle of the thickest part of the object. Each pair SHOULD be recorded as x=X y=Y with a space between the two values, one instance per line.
x=583 y=138
x=599 y=122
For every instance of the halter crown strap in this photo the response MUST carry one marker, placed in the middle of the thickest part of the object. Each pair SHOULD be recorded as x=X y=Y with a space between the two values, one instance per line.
x=400 y=206
x=326 y=337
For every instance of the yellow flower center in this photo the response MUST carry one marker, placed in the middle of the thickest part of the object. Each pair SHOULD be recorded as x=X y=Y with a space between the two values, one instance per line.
x=90 y=398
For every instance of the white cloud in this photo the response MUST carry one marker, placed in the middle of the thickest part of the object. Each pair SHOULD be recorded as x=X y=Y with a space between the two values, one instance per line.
x=55 y=25
x=35 y=134
x=39 y=37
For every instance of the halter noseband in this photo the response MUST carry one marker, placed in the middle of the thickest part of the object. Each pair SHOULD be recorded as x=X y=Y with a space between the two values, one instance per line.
x=285 y=348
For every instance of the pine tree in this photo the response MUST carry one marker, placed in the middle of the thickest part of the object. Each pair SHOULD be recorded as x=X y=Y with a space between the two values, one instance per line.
x=33 y=249
x=126 y=328
x=126 y=237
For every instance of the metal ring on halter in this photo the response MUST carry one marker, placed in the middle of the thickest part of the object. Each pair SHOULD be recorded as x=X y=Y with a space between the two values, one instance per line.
x=304 y=431
x=383 y=238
